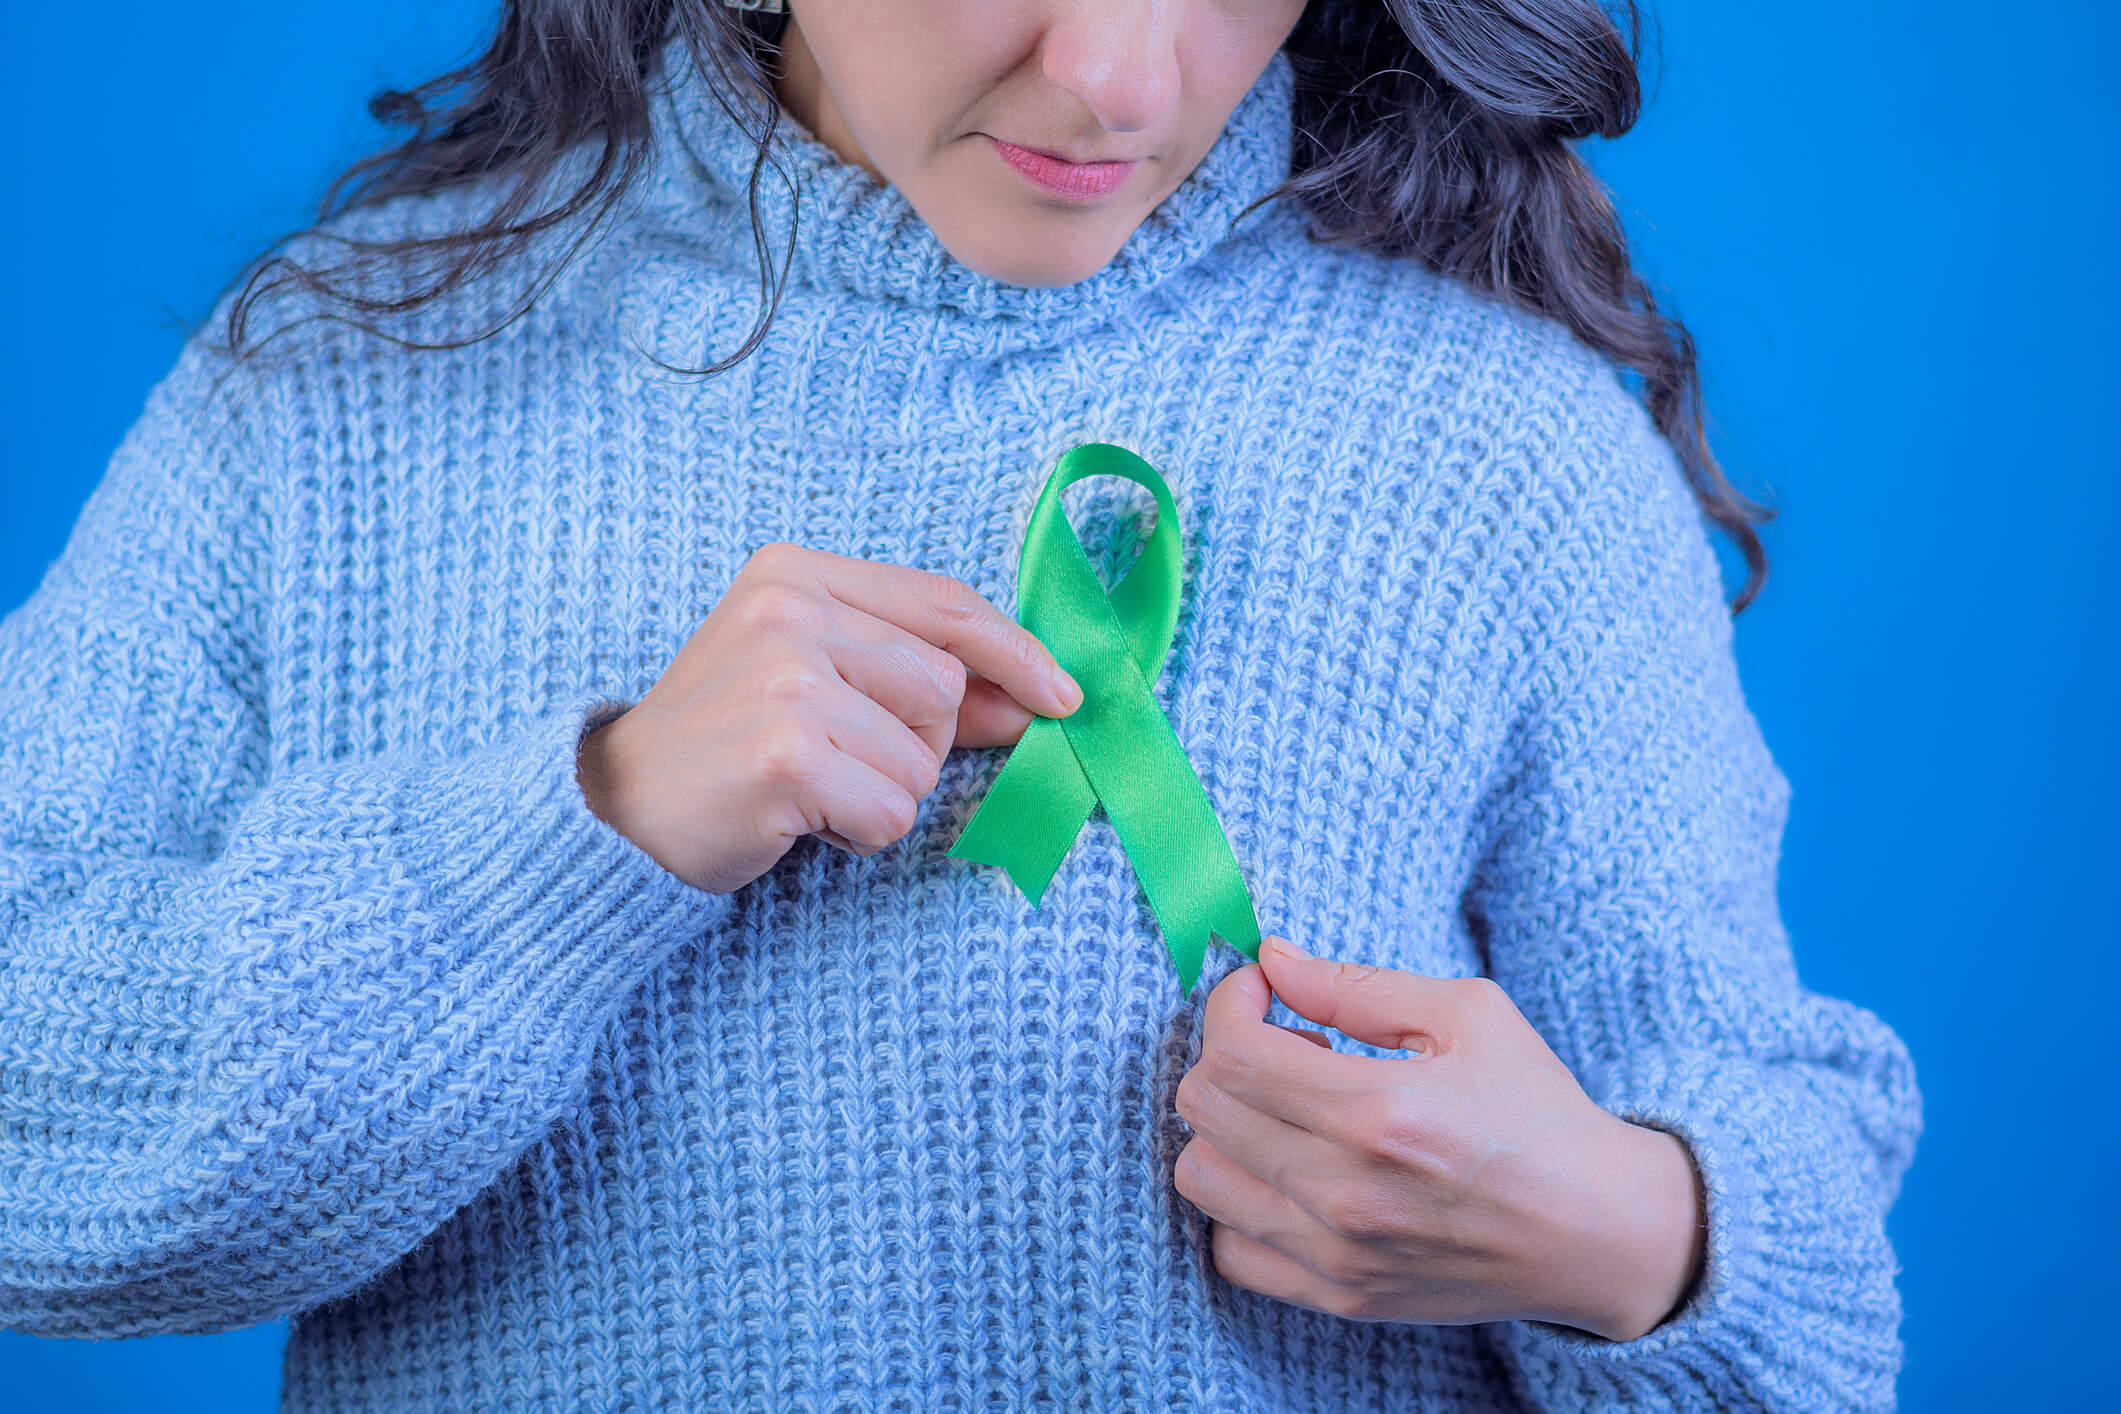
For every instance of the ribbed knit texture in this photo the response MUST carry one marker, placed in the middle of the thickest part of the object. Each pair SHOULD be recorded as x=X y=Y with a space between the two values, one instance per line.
x=324 y=995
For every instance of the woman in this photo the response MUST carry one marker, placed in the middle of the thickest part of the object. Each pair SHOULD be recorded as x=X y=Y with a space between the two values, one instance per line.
x=478 y=793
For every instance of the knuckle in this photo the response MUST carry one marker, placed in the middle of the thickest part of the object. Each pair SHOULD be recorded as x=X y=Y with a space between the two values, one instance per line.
x=1485 y=995
x=1389 y=1130
x=1355 y=1210
x=1226 y=1068
x=1187 y=1099
x=1356 y=1303
x=1483 y=999
x=1029 y=652
x=959 y=601
x=791 y=681
x=776 y=555
x=781 y=818
x=1358 y=976
x=773 y=607
x=930 y=775
x=1353 y=984
x=945 y=672
x=1186 y=1172
x=791 y=756
x=1364 y=1264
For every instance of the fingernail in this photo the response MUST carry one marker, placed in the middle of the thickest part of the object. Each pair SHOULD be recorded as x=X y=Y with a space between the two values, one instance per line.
x=1288 y=947
x=1064 y=688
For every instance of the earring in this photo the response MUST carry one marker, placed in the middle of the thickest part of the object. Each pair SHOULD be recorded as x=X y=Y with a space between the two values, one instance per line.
x=771 y=7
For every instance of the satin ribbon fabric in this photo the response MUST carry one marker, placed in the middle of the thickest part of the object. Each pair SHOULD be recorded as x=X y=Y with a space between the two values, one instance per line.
x=1117 y=749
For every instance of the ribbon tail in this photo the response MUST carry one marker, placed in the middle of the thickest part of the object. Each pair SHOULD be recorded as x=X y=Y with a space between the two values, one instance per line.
x=1196 y=899
x=1163 y=817
x=1033 y=812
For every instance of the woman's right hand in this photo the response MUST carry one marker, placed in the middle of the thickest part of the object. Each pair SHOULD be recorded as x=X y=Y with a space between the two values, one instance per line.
x=819 y=697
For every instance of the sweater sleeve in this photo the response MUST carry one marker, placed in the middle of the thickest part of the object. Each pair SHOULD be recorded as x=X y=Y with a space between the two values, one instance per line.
x=260 y=1031
x=1625 y=893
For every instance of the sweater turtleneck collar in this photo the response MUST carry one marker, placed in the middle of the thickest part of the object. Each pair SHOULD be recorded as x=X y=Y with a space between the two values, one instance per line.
x=864 y=238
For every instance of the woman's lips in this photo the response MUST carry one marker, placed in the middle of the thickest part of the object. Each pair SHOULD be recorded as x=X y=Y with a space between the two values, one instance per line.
x=1078 y=181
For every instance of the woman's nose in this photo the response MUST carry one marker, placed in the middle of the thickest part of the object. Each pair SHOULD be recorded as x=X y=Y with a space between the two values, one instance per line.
x=1118 y=56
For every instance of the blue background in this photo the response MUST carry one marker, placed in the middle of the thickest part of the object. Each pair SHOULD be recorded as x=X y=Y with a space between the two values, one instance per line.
x=1893 y=237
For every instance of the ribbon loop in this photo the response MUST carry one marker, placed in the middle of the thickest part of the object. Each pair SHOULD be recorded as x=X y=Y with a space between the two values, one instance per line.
x=1117 y=749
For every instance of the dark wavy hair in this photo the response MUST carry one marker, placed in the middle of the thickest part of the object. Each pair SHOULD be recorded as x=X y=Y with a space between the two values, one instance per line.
x=1436 y=129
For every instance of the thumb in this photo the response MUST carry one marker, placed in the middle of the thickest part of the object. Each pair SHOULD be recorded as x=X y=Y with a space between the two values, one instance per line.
x=1377 y=1005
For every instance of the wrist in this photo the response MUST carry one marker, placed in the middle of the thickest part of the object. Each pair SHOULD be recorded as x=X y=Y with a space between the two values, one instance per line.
x=1631 y=1254
x=1657 y=1235
x=597 y=772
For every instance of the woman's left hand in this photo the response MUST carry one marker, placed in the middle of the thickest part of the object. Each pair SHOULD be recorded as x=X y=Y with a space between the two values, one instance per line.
x=1475 y=1181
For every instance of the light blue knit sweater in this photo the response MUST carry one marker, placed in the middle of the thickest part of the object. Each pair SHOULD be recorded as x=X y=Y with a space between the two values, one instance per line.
x=324 y=995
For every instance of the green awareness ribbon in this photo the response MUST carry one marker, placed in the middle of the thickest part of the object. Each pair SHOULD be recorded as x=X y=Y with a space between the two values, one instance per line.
x=1117 y=749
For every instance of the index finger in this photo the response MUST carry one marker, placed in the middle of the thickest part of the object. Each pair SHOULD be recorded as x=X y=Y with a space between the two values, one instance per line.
x=1274 y=1069
x=957 y=618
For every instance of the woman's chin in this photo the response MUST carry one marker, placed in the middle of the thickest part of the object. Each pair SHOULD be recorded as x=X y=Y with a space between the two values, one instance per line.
x=1027 y=249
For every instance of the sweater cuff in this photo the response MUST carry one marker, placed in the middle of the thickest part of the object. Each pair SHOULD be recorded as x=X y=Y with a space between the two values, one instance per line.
x=1561 y=1359
x=521 y=859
